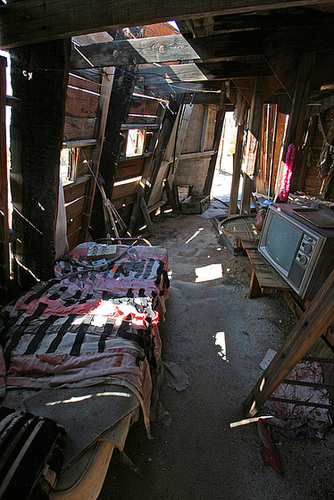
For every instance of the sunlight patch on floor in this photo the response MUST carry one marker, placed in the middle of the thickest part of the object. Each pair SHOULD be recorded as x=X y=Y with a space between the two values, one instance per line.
x=194 y=235
x=220 y=340
x=208 y=273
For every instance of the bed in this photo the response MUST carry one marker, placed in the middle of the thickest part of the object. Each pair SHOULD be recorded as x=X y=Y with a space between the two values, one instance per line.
x=81 y=350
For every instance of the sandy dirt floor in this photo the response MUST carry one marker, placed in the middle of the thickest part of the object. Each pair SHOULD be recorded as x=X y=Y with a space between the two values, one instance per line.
x=218 y=337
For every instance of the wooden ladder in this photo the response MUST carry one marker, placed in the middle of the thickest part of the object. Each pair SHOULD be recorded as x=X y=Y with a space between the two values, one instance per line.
x=312 y=324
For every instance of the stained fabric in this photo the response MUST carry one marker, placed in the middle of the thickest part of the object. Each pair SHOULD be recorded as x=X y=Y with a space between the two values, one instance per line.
x=291 y=416
x=89 y=327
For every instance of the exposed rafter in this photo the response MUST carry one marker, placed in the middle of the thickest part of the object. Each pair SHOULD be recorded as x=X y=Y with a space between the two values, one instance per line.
x=135 y=51
x=32 y=21
x=155 y=75
x=265 y=42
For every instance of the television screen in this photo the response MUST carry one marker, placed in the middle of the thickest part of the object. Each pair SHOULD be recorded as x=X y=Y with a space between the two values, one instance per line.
x=282 y=241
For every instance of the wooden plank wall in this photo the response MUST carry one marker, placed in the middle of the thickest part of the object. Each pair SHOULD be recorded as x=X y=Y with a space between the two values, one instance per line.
x=312 y=181
x=314 y=178
x=144 y=112
x=81 y=108
x=80 y=119
x=193 y=163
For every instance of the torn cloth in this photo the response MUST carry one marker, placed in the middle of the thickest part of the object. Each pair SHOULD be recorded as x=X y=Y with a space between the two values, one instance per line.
x=291 y=416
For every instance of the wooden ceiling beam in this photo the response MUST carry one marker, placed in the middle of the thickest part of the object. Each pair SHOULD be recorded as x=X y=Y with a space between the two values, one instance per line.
x=157 y=49
x=191 y=72
x=235 y=69
x=176 y=73
x=32 y=21
x=262 y=42
x=267 y=20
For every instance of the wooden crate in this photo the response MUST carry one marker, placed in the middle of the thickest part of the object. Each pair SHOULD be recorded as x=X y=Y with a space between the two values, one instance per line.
x=195 y=204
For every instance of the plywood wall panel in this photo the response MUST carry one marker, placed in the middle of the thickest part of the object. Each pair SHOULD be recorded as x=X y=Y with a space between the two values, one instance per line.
x=192 y=173
x=192 y=140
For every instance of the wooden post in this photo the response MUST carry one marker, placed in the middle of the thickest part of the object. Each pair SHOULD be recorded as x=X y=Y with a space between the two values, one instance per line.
x=253 y=142
x=312 y=128
x=181 y=130
x=250 y=162
x=39 y=79
x=147 y=170
x=121 y=94
x=162 y=142
x=312 y=324
x=237 y=162
x=4 y=229
x=164 y=135
x=102 y=114
x=220 y=119
x=147 y=217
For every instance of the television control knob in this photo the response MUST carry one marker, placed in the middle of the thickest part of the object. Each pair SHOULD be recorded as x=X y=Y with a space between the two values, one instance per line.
x=303 y=259
x=308 y=248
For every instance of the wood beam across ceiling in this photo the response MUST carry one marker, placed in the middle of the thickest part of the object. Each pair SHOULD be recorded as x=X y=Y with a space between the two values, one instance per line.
x=191 y=72
x=263 y=42
x=159 y=49
x=31 y=21
x=177 y=73
x=264 y=20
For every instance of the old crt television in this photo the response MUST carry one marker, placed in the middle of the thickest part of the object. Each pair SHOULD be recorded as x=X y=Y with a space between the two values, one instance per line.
x=298 y=242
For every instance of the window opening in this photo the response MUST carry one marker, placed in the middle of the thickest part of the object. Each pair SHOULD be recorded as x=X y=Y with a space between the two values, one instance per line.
x=135 y=142
x=67 y=165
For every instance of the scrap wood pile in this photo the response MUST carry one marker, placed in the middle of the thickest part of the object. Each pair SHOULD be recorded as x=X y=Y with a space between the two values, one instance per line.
x=95 y=323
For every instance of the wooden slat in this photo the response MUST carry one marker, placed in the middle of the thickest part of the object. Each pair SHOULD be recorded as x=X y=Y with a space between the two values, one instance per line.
x=79 y=143
x=142 y=120
x=142 y=106
x=73 y=239
x=126 y=200
x=153 y=166
x=80 y=103
x=264 y=42
x=74 y=224
x=83 y=153
x=312 y=324
x=33 y=21
x=130 y=171
x=4 y=229
x=278 y=150
x=237 y=161
x=199 y=154
x=99 y=135
x=78 y=128
x=147 y=217
x=134 y=51
x=148 y=126
x=76 y=190
x=124 y=190
x=82 y=83
x=74 y=208
x=158 y=75
x=267 y=277
x=133 y=160
x=218 y=130
x=235 y=69
x=181 y=129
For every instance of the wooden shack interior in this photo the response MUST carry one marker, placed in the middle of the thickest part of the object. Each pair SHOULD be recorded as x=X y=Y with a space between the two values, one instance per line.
x=115 y=111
